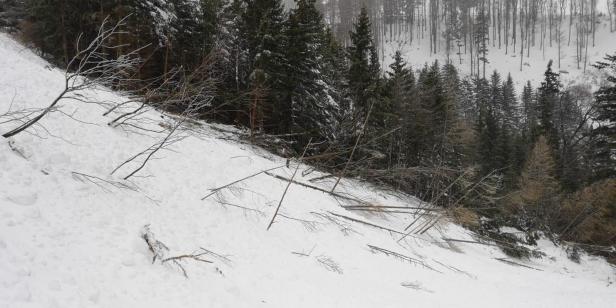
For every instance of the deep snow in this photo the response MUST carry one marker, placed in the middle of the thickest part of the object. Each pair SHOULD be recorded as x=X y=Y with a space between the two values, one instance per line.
x=68 y=242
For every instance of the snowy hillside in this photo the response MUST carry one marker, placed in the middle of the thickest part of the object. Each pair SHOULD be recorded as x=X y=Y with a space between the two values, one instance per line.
x=505 y=62
x=72 y=235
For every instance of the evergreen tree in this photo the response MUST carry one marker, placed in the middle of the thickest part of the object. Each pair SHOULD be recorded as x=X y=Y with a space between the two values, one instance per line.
x=311 y=111
x=211 y=13
x=451 y=94
x=400 y=95
x=232 y=63
x=362 y=81
x=529 y=108
x=482 y=36
x=511 y=146
x=440 y=113
x=549 y=94
x=488 y=128
x=604 y=133
x=147 y=26
x=264 y=30
x=335 y=68
x=467 y=100
x=185 y=48
x=56 y=24
x=509 y=105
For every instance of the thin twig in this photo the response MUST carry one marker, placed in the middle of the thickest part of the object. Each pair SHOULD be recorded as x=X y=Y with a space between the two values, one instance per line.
x=288 y=185
x=354 y=148
x=217 y=189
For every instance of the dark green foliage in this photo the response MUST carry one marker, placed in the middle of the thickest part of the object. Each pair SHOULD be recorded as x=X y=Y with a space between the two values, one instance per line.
x=263 y=26
x=530 y=118
x=56 y=25
x=186 y=50
x=311 y=113
x=362 y=78
x=548 y=96
x=334 y=71
x=400 y=89
x=604 y=134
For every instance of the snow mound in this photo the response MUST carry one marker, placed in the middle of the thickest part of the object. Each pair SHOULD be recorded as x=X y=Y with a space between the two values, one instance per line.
x=72 y=235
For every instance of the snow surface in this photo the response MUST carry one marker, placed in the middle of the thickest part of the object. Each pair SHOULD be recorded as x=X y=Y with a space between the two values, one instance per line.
x=69 y=242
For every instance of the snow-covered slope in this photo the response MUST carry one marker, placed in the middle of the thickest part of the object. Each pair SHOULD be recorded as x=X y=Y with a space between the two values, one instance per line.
x=506 y=61
x=71 y=240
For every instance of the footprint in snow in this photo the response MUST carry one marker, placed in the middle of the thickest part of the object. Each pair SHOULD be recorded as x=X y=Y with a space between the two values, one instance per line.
x=25 y=200
x=416 y=285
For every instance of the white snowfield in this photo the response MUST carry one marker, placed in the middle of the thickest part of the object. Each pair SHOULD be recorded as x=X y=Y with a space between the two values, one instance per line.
x=71 y=240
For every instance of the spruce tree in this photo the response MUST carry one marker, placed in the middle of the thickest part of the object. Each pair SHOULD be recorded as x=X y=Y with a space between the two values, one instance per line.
x=511 y=147
x=148 y=29
x=263 y=27
x=210 y=21
x=334 y=71
x=362 y=81
x=529 y=108
x=230 y=51
x=490 y=139
x=509 y=107
x=186 y=47
x=400 y=98
x=440 y=113
x=311 y=112
x=604 y=133
x=57 y=24
x=549 y=94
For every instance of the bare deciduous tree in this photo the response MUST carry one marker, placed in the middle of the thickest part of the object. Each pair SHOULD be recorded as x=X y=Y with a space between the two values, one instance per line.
x=90 y=68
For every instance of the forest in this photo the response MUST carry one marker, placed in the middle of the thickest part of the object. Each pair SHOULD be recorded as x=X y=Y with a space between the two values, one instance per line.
x=474 y=27
x=309 y=80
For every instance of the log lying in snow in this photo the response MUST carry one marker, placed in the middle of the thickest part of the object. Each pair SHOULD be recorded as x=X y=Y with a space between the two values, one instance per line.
x=517 y=264
x=402 y=257
x=337 y=195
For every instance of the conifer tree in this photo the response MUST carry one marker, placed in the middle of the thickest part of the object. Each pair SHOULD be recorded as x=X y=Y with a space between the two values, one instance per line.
x=548 y=96
x=362 y=81
x=211 y=12
x=488 y=126
x=536 y=200
x=604 y=133
x=148 y=29
x=311 y=111
x=440 y=112
x=186 y=47
x=56 y=24
x=528 y=106
x=263 y=28
x=511 y=146
x=230 y=50
x=509 y=105
x=400 y=95
x=335 y=68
